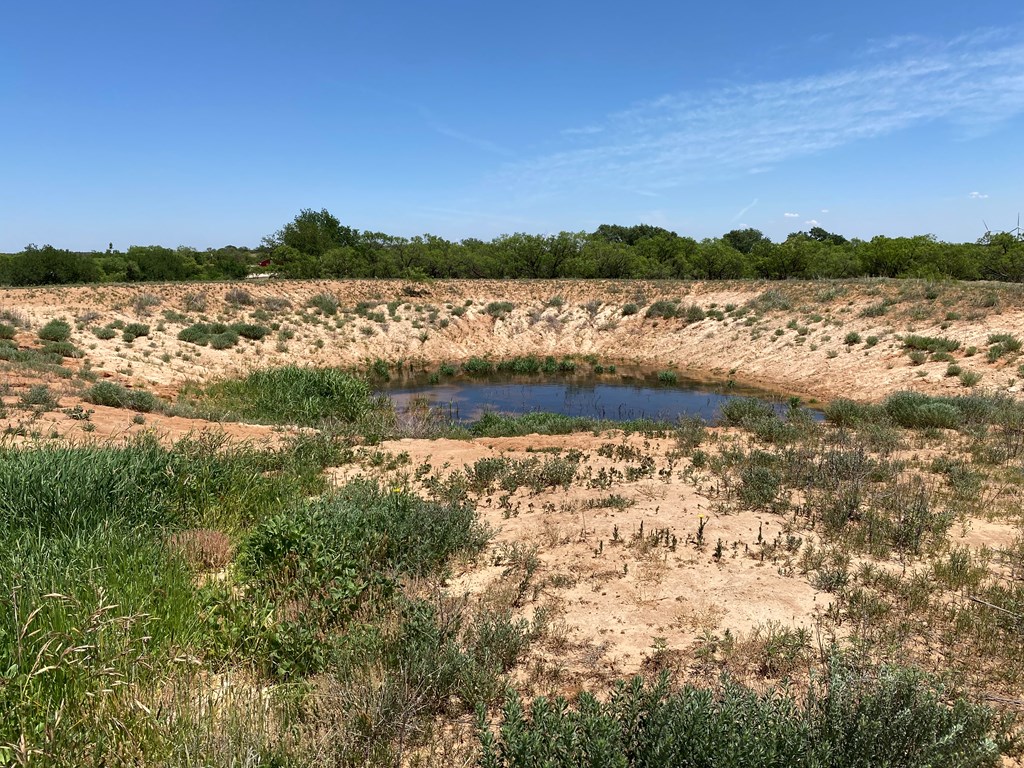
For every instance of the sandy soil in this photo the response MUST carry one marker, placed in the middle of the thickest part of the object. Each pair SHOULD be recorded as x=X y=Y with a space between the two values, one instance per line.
x=799 y=351
x=611 y=600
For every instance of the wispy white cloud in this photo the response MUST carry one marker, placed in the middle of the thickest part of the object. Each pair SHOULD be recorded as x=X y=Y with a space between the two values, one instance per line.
x=975 y=81
x=789 y=215
x=474 y=141
x=740 y=213
x=977 y=196
x=812 y=223
x=824 y=210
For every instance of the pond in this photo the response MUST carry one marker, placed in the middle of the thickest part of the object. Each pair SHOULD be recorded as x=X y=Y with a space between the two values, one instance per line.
x=615 y=398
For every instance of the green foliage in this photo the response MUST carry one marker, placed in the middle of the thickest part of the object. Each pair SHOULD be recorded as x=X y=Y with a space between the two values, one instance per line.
x=7 y=331
x=477 y=366
x=498 y=309
x=668 y=377
x=292 y=395
x=327 y=303
x=896 y=719
x=133 y=331
x=55 y=330
x=114 y=395
x=931 y=344
x=62 y=348
x=221 y=335
x=103 y=333
x=1001 y=344
x=39 y=395
x=500 y=425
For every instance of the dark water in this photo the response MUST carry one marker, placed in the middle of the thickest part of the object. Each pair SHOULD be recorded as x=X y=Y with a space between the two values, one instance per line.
x=606 y=397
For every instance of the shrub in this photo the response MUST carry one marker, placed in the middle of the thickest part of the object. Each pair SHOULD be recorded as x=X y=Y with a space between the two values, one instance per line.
x=668 y=377
x=847 y=719
x=7 y=331
x=629 y=309
x=220 y=335
x=916 y=411
x=931 y=344
x=969 y=378
x=134 y=330
x=239 y=296
x=327 y=303
x=225 y=340
x=39 y=395
x=847 y=413
x=55 y=330
x=195 y=302
x=771 y=299
x=663 y=309
x=852 y=338
x=104 y=333
x=498 y=309
x=250 y=331
x=114 y=395
x=62 y=348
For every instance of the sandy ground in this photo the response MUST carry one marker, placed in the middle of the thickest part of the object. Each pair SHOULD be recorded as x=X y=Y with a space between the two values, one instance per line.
x=800 y=351
x=611 y=601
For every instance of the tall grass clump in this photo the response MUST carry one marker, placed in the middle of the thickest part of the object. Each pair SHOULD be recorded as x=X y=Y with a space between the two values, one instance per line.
x=292 y=395
x=101 y=614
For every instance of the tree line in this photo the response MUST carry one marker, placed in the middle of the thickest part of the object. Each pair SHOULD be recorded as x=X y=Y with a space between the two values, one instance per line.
x=315 y=244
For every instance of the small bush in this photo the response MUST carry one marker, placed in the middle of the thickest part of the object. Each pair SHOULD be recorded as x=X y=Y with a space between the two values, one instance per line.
x=7 y=331
x=852 y=338
x=931 y=344
x=239 y=296
x=114 y=395
x=133 y=331
x=969 y=378
x=497 y=309
x=225 y=340
x=327 y=303
x=250 y=331
x=39 y=395
x=668 y=377
x=663 y=309
x=772 y=299
x=195 y=302
x=629 y=309
x=63 y=348
x=103 y=333
x=55 y=330
x=220 y=335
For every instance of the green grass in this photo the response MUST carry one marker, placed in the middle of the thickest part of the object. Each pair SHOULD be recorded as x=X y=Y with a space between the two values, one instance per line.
x=291 y=395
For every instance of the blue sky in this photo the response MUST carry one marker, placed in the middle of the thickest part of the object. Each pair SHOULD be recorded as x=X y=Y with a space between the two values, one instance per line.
x=207 y=123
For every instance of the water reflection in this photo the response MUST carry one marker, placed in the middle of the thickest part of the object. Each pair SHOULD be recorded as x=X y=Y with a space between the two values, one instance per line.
x=466 y=400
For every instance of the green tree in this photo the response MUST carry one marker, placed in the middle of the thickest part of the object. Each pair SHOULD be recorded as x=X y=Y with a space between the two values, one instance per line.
x=744 y=240
x=313 y=233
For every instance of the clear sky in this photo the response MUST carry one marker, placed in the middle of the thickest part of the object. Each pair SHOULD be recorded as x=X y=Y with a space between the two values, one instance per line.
x=209 y=123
